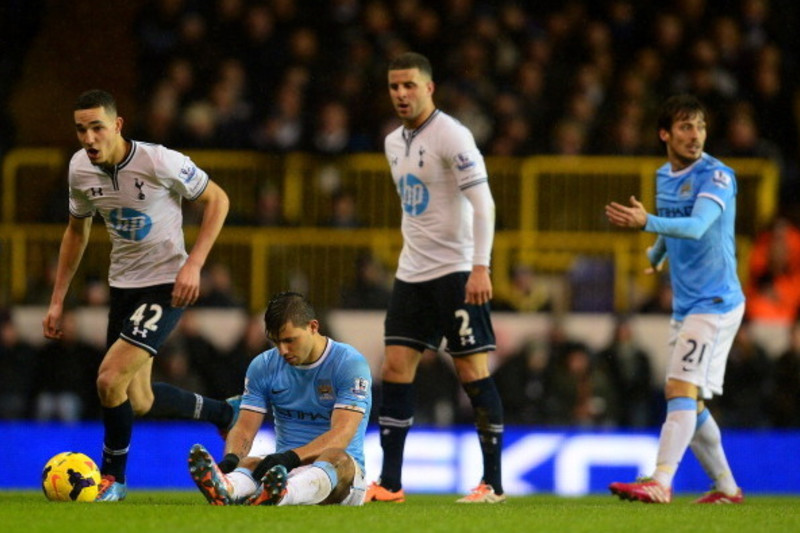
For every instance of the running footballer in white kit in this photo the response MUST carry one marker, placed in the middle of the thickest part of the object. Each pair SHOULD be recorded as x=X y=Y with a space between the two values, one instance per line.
x=695 y=223
x=137 y=188
x=442 y=287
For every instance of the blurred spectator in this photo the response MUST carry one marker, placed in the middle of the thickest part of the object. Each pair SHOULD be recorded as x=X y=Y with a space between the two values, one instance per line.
x=742 y=138
x=343 y=211
x=660 y=301
x=252 y=342
x=522 y=380
x=65 y=373
x=40 y=287
x=96 y=292
x=17 y=366
x=773 y=287
x=591 y=283
x=437 y=391
x=785 y=397
x=331 y=133
x=370 y=289
x=628 y=368
x=173 y=365
x=217 y=288
x=578 y=394
x=528 y=293
x=749 y=374
x=193 y=361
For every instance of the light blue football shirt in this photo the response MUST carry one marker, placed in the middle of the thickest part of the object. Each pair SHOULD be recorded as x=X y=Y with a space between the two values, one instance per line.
x=302 y=398
x=702 y=271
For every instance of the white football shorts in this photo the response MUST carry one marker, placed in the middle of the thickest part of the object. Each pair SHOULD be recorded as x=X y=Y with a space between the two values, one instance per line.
x=700 y=345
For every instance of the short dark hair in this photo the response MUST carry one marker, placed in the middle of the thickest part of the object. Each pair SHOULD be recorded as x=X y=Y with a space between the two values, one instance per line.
x=284 y=307
x=678 y=107
x=408 y=60
x=97 y=98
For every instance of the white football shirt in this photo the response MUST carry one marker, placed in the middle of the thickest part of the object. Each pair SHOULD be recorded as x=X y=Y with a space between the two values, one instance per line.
x=431 y=167
x=140 y=202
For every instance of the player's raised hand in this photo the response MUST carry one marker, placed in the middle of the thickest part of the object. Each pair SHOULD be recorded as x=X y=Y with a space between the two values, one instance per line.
x=634 y=216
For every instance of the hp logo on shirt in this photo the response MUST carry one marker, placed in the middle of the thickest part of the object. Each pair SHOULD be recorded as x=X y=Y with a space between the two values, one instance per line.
x=130 y=224
x=413 y=194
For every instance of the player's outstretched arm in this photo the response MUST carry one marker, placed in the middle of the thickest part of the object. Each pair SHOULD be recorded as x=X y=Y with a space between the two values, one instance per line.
x=215 y=208
x=73 y=244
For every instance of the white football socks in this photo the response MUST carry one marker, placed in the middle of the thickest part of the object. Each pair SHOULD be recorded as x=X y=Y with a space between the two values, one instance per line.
x=676 y=434
x=707 y=447
x=243 y=484
x=311 y=485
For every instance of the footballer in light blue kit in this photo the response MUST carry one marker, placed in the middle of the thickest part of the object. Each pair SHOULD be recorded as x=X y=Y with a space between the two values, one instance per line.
x=319 y=393
x=696 y=204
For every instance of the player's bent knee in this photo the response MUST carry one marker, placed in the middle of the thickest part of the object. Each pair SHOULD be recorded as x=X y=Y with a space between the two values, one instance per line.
x=680 y=389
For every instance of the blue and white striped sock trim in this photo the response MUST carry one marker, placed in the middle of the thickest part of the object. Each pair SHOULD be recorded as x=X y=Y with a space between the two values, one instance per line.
x=701 y=418
x=330 y=470
x=681 y=404
x=247 y=473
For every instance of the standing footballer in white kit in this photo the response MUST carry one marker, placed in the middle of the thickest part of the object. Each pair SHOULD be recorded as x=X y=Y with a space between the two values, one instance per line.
x=442 y=286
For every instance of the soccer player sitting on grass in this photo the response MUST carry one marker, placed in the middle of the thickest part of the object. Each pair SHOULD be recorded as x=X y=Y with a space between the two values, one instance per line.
x=696 y=202
x=319 y=392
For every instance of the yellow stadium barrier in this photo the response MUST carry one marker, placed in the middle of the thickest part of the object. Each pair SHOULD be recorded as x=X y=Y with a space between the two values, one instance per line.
x=549 y=213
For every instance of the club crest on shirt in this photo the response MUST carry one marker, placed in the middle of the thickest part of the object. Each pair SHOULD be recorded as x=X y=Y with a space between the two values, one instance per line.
x=360 y=387
x=685 y=190
x=721 y=179
x=325 y=390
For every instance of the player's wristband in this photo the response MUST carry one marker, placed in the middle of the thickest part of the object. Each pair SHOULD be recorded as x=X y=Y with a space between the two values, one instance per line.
x=228 y=463
x=289 y=459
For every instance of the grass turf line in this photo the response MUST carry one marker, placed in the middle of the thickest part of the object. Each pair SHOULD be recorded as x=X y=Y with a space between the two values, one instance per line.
x=179 y=511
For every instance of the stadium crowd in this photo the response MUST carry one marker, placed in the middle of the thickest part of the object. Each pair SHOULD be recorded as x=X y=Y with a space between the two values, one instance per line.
x=572 y=77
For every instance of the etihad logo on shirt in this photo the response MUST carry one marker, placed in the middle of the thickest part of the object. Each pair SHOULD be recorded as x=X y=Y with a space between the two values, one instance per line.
x=675 y=212
x=721 y=179
x=297 y=414
x=129 y=223
x=414 y=195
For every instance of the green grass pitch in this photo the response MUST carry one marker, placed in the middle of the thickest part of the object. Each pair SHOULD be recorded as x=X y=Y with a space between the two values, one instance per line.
x=179 y=511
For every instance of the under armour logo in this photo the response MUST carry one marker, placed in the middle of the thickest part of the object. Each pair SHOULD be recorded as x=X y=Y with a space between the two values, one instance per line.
x=96 y=192
x=140 y=331
x=139 y=185
x=393 y=161
x=470 y=339
x=421 y=153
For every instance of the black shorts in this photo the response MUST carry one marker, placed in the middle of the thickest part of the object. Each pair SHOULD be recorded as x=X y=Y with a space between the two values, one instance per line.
x=143 y=317
x=420 y=314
